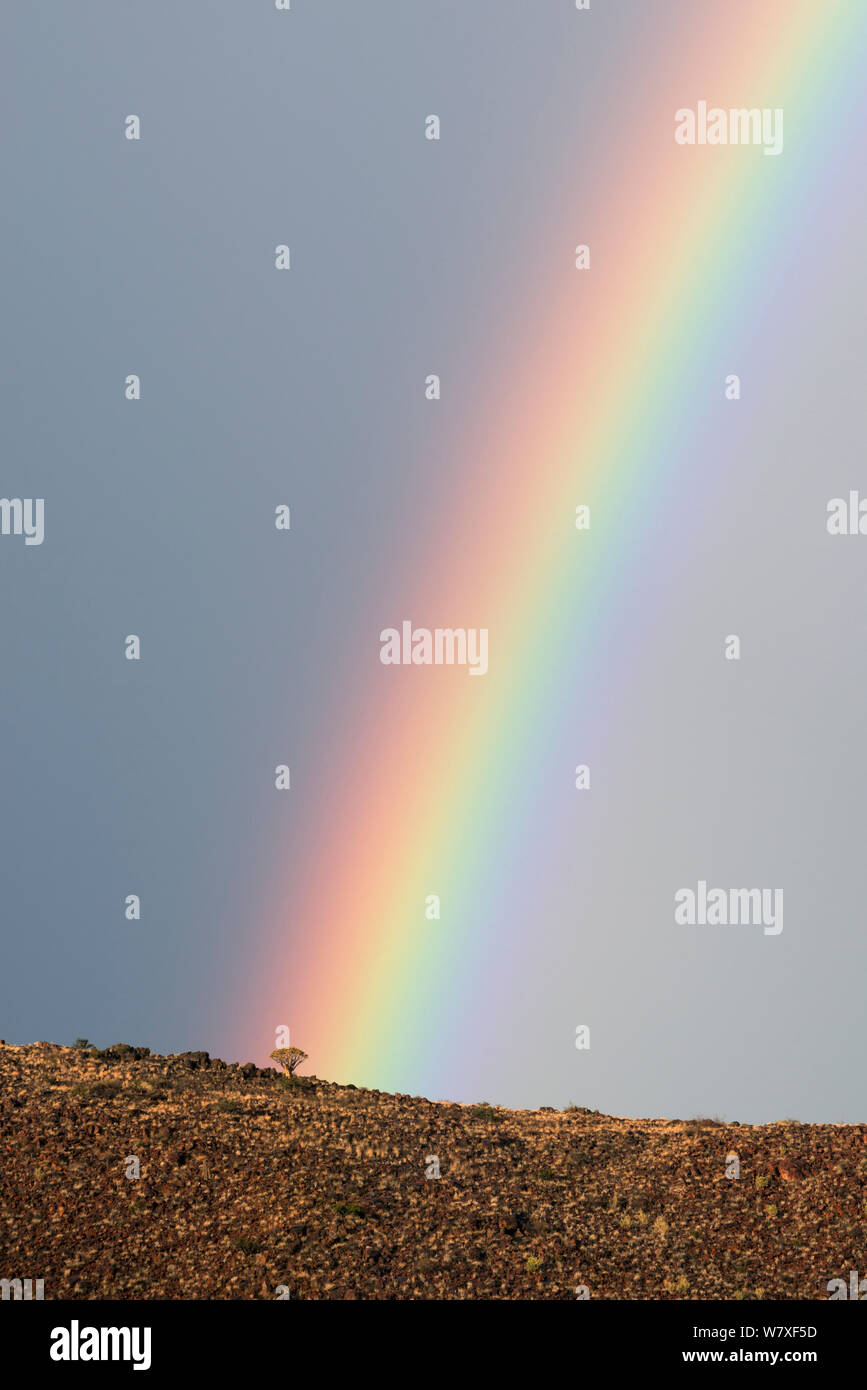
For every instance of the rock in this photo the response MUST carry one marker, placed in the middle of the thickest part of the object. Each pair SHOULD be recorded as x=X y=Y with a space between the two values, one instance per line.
x=193 y=1060
x=330 y=1192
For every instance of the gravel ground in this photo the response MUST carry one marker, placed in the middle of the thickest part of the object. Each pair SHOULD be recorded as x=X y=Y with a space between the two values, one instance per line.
x=255 y=1186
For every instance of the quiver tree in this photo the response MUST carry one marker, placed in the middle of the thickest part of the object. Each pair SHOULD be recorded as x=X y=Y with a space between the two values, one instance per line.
x=289 y=1058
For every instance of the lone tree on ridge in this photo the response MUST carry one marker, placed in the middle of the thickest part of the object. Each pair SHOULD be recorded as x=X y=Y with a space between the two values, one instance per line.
x=289 y=1058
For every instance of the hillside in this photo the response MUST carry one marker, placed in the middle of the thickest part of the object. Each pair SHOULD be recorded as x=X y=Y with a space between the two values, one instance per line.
x=249 y=1182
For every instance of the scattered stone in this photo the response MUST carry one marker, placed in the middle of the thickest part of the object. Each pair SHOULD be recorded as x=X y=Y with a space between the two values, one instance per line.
x=247 y=1184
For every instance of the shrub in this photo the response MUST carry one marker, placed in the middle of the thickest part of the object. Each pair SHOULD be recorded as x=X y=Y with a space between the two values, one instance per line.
x=349 y=1209
x=97 y=1090
x=484 y=1111
x=677 y=1286
x=702 y=1122
x=248 y=1245
x=294 y=1084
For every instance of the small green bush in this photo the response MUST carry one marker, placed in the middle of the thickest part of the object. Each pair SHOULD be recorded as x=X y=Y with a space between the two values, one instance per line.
x=248 y=1245
x=349 y=1209
x=484 y=1111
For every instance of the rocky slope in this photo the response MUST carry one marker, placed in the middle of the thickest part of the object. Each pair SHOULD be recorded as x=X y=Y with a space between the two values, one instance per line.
x=252 y=1186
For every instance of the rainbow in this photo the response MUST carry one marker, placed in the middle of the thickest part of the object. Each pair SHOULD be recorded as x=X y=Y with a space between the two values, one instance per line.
x=462 y=788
